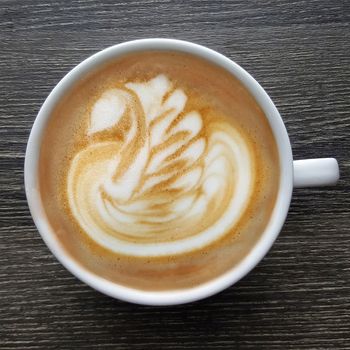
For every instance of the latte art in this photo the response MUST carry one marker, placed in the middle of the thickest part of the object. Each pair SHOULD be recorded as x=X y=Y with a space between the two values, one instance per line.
x=168 y=183
x=158 y=171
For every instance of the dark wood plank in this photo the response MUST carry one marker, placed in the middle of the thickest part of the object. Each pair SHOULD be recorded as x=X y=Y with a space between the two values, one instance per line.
x=299 y=296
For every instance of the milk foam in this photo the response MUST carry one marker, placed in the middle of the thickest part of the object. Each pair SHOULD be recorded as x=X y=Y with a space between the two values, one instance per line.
x=170 y=186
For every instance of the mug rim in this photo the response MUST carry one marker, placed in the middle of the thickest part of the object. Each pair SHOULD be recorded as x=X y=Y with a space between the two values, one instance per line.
x=172 y=297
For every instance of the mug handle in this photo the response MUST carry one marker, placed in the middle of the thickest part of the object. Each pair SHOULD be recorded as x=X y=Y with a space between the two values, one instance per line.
x=315 y=172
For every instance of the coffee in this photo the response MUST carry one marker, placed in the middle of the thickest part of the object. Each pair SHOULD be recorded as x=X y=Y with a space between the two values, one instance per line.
x=158 y=171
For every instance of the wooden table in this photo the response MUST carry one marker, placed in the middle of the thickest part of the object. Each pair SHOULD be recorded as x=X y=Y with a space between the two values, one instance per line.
x=299 y=295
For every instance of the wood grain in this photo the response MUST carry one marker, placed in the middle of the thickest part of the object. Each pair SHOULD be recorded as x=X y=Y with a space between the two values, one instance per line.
x=299 y=295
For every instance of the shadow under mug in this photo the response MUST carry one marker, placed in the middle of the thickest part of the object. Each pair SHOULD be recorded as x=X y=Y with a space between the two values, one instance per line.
x=301 y=173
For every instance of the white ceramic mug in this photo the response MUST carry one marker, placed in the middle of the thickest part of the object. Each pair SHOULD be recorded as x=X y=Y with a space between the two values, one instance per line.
x=311 y=172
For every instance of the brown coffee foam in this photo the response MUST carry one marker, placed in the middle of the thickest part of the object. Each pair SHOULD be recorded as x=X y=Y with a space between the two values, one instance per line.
x=212 y=91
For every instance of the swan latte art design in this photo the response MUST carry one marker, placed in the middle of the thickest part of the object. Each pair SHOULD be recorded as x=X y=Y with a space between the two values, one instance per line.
x=158 y=170
x=169 y=185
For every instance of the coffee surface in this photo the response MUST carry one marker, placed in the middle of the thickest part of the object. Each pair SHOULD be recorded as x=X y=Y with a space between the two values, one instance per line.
x=158 y=171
